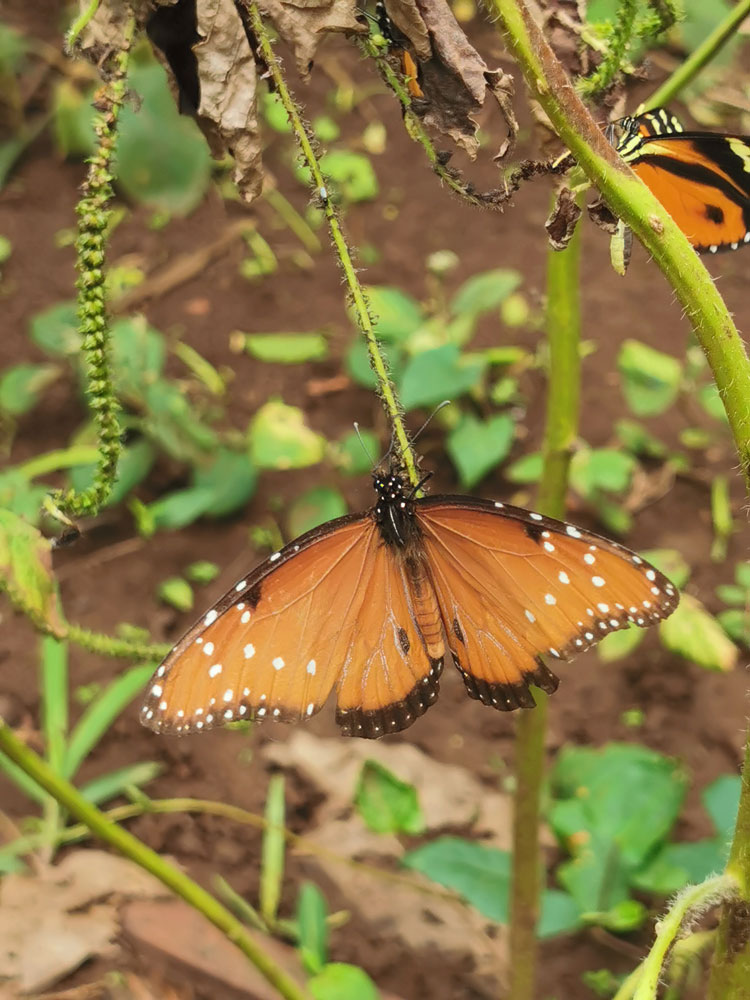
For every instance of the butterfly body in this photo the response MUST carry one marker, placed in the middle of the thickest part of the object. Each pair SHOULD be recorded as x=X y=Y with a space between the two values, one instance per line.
x=701 y=178
x=370 y=604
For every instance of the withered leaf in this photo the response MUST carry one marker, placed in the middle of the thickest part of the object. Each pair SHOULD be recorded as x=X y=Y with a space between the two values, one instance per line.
x=302 y=24
x=562 y=221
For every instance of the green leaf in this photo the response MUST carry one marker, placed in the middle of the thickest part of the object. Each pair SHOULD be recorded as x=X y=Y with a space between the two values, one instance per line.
x=173 y=511
x=339 y=981
x=73 y=119
x=638 y=440
x=594 y=469
x=352 y=173
x=101 y=714
x=622 y=918
x=358 y=366
x=272 y=850
x=355 y=454
x=26 y=572
x=616 y=645
x=18 y=495
x=722 y=799
x=320 y=504
x=710 y=400
x=742 y=574
x=484 y=292
x=671 y=563
x=286 y=348
x=56 y=330
x=173 y=423
x=274 y=114
x=438 y=374
x=162 y=158
x=678 y=865
x=202 y=572
x=138 y=355
x=732 y=593
x=481 y=875
x=109 y=786
x=22 y=385
x=695 y=634
x=312 y=927
x=560 y=914
x=230 y=477
x=397 y=315
x=385 y=803
x=650 y=379
x=176 y=592
x=526 y=470
x=736 y=624
x=477 y=446
x=280 y=439
x=133 y=465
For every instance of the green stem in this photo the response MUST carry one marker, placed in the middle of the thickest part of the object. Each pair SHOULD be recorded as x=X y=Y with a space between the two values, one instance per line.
x=695 y=62
x=561 y=430
x=118 y=649
x=80 y=23
x=359 y=302
x=631 y=200
x=694 y=897
x=129 y=846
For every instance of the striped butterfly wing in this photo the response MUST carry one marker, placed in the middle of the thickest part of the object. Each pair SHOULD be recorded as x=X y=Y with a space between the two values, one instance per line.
x=514 y=586
x=331 y=609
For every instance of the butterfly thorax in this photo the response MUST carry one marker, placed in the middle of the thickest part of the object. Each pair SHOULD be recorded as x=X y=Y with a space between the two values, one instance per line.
x=394 y=511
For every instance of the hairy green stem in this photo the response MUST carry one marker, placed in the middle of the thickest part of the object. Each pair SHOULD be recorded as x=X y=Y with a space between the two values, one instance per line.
x=706 y=51
x=359 y=302
x=630 y=199
x=80 y=23
x=623 y=29
x=560 y=432
x=129 y=846
x=93 y=220
x=695 y=897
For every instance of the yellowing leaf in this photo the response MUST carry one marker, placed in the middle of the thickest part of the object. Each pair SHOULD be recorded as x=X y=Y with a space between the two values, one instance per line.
x=695 y=634
x=26 y=572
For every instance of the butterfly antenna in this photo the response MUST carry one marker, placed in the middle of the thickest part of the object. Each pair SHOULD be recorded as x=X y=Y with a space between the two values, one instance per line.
x=362 y=442
x=438 y=408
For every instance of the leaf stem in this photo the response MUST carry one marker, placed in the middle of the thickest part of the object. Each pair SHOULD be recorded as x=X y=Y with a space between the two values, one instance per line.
x=129 y=846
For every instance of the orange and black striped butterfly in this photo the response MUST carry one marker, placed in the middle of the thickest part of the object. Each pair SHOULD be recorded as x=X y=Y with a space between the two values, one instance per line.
x=701 y=178
x=398 y=46
x=370 y=605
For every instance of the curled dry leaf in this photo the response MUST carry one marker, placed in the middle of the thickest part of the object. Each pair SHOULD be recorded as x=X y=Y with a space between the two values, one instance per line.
x=563 y=219
x=303 y=24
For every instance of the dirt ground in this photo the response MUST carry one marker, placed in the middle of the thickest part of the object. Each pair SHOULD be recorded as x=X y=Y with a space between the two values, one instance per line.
x=111 y=576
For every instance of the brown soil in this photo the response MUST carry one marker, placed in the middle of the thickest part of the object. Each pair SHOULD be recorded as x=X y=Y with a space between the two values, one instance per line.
x=694 y=715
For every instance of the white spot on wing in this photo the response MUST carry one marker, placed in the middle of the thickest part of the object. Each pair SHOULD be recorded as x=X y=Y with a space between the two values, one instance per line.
x=249 y=651
x=240 y=586
x=550 y=599
x=278 y=663
x=208 y=649
x=215 y=670
x=598 y=581
x=311 y=668
x=211 y=617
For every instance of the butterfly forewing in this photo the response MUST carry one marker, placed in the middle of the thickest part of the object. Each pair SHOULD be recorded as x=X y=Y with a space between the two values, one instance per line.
x=273 y=646
x=514 y=586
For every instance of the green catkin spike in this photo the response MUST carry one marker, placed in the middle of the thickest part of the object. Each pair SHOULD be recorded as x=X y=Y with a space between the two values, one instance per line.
x=93 y=217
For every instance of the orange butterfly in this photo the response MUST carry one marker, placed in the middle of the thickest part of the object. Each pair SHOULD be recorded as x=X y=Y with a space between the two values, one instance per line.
x=371 y=603
x=701 y=178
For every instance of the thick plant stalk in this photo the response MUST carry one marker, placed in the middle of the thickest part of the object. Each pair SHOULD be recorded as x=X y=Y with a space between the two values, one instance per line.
x=71 y=799
x=630 y=199
x=560 y=432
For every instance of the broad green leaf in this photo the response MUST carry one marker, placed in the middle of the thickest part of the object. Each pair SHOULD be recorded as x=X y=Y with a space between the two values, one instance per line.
x=176 y=592
x=477 y=446
x=671 y=563
x=320 y=504
x=721 y=799
x=173 y=511
x=20 y=496
x=56 y=330
x=481 y=875
x=279 y=438
x=484 y=292
x=594 y=469
x=597 y=877
x=526 y=470
x=650 y=378
x=616 y=645
x=736 y=624
x=26 y=572
x=339 y=981
x=385 y=803
x=286 y=348
x=109 y=786
x=397 y=315
x=695 y=634
x=678 y=865
x=560 y=914
x=231 y=478
x=272 y=850
x=138 y=355
x=171 y=421
x=133 y=465
x=312 y=927
x=352 y=173
x=353 y=456
x=100 y=715
x=162 y=158
x=274 y=114
x=439 y=374
x=22 y=385
x=638 y=440
x=358 y=362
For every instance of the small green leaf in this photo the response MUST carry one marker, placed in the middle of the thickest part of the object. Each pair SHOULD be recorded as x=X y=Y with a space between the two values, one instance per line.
x=742 y=574
x=202 y=572
x=504 y=391
x=320 y=504
x=677 y=865
x=56 y=330
x=272 y=850
x=476 y=446
x=231 y=478
x=722 y=799
x=616 y=645
x=638 y=440
x=109 y=786
x=693 y=633
x=526 y=470
x=313 y=929
x=671 y=563
x=22 y=385
x=352 y=174
x=73 y=119
x=736 y=624
x=280 y=439
x=560 y=914
x=732 y=593
x=438 y=374
x=710 y=400
x=480 y=874
x=173 y=511
x=625 y=916
x=358 y=363
x=18 y=495
x=650 y=379
x=173 y=423
x=274 y=114
x=593 y=469
x=397 y=315
x=138 y=355
x=26 y=572
x=6 y=249
x=176 y=592
x=355 y=454
x=286 y=348
x=385 y=803
x=484 y=292
x=339 y=981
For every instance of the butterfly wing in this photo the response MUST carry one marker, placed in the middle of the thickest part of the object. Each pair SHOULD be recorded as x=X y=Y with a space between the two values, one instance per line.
x=332 y=608
x=514 y=586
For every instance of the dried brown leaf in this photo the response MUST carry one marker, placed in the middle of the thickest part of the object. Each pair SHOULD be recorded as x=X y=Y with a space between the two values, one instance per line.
x=409 y=22
x=303 y=24
x=563 y=219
